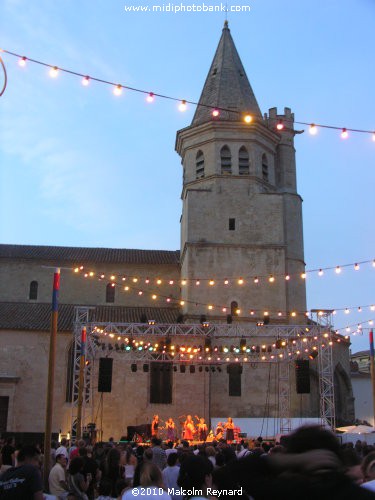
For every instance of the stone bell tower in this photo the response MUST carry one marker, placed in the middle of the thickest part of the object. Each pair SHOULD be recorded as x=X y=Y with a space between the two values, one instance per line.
x=242 y=215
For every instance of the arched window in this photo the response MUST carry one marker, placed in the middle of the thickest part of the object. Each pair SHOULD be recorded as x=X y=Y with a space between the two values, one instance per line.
x=199 y=165
x=110 y=293
x=243 y=161
x=265 y=168
x=33 y=293
x=234 y=308
x=226 y=160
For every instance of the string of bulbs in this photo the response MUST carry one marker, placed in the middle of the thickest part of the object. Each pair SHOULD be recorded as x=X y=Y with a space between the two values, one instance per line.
x=150 y=97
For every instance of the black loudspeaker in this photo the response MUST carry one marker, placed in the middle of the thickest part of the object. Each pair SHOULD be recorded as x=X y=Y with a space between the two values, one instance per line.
x=182 y=368
x=145 y=367
x=302 y=376
x=192 y=369
x=105 y=375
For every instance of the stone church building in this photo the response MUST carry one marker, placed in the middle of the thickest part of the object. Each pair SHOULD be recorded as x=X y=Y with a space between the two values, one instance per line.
x=240 y=267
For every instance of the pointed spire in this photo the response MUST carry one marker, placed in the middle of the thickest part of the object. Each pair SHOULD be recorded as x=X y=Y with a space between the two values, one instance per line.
x=227 y=85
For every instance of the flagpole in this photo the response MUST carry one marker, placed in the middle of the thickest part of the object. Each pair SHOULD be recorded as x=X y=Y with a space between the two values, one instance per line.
x=372 y=371
x=51 y=375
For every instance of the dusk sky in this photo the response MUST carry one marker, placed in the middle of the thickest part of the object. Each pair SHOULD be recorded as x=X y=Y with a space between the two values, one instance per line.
x=82 y=167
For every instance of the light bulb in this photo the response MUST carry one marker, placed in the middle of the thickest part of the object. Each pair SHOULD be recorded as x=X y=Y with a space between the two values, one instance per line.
x=338 y=270
x=248 y=118
x=344 y=134
x=117 y=90
x=53 y=72
x=280 y=125
x=182 y=106
x=320 y=273
x=313 y=129
x=22 y=62
x=150 y=97
x=215 y=113
x=356 y=267
x=85 y=81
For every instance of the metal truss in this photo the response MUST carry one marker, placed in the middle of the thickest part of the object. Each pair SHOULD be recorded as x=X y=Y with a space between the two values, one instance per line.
x=326 y=368
x=284 y=397
x=279 y=344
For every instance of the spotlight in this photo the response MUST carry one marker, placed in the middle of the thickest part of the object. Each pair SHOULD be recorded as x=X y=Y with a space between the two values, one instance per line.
x=207 y=345
x=133 y=367
x=260 y=323
x=151 y=322
x=243 y=345
x=313 y=354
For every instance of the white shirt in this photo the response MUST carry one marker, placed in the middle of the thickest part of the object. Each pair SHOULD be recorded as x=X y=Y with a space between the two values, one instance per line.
x=56 y=475
x=62 y=451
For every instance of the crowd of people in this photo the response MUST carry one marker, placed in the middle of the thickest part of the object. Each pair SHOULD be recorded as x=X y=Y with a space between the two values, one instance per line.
x=309 y=463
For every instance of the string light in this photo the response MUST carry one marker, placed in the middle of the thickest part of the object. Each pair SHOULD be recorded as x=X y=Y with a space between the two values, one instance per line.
x=85 y=81
x=22 y=62
x=183 y=103
x=53 y=72
x=248 y=118
x=338 y=270
x=320 y=273
x=117 y=90
x=344 y=134
x=150 y=97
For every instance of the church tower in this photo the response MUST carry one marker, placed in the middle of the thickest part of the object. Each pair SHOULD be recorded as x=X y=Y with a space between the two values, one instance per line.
x=242 y=215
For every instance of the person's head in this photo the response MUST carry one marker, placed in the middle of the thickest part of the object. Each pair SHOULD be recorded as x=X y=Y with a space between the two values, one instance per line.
x=230 y=420
x=63 y=442
x=156 y=417
x=113 y=458
x=368 y=466
x=195 y=472
x=172 y=459
x=155 y=441
x=201 y=420
x=151 y=475
x=81 y=443
x=147 y=455
x=189 y=418
x=76 y=465
x=29 y=455
x=61 y=459
x=312 y=438
x=82 y=452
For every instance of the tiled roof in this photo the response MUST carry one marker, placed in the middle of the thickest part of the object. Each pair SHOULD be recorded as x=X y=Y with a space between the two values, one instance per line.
x=227 y=85
x=360 y=354
x=79 y=255
x=34 y=316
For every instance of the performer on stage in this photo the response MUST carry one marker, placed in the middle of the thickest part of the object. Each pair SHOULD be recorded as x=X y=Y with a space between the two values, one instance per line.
x=202 y=429
x=219 y=431
x=189 y=428
x=229 y=425
x=155 y=426
x=171 y=429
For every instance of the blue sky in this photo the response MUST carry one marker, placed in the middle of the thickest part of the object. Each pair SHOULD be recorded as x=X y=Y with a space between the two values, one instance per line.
x=82 y=167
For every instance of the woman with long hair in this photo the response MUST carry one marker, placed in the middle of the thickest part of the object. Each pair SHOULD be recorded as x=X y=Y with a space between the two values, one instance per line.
x=151 y=480
x=77 y=482
x=130 y=464
x=112 y=469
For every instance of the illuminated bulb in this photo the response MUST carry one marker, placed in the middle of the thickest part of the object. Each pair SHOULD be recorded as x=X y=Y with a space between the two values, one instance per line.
x=371 y=322
x=279 y=313
x=240 y=281
x=140 y=292
x=294 y=314
x=85 y=275
x=238 y=311
x=76 y=270
x=215 y=113
x=168 y=299
x=147 y=281
x=373 y=136
x=113 y=277
x=372 y=308
x=226 y=282
x=280 y=125
x=91 y=273
x=266 y=313
x=210 y=307
x=224 y=309
x=211 y=282
x=320 y=273
x=197 y=282
x=85 y=81
x=113 y=284
x=183 y=282
x=123 y=278
x=313 y=129
x=334 y=312
x=22 y=62
x=150 y=97
x=248 y=118
x=256 y=280
x=182 y=302
x=135 y=280
x=158 y=282
x=271 y=279
x=182 y=106
x=359 y=309
x=53 y=72
x=344 y=134
x=356 y=267
x=126 y=288
x=154 y=297
x=303 y=276
x=287 y=277
x=347 y=311
x=171 y=282
x=117 y=90
x=338 y=270
x=252 y=313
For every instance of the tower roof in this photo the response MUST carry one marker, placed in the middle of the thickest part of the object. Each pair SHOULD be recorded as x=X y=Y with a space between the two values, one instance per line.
x=227 y=85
